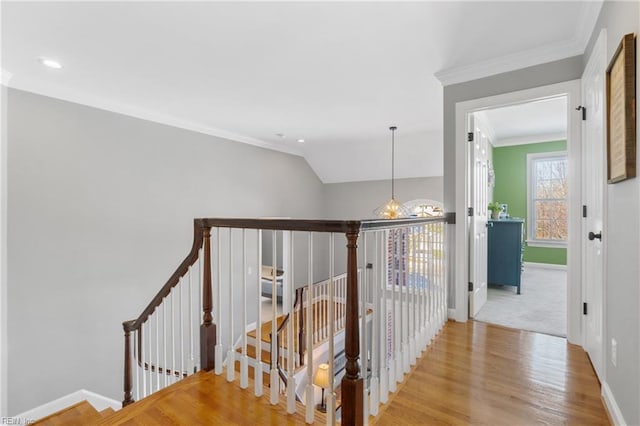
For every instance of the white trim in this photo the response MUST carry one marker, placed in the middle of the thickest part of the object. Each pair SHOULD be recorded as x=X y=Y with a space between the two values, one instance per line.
x=536 y=56
x=451 y=314
x=144 y=114
x=536 y=265
x=572 y=90
x=4 y=349
x=529 y=139
x=98 y=402
x=522 y=59
x=612 y=405
x=546 y=244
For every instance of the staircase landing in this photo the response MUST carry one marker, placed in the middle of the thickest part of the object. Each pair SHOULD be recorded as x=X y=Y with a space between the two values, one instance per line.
x=205 y=398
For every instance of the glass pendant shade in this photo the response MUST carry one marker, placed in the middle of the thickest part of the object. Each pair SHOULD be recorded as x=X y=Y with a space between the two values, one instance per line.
x=392 y=209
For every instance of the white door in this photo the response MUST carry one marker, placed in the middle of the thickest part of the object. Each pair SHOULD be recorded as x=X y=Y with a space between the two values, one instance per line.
x=593 y=140
x=478 y=201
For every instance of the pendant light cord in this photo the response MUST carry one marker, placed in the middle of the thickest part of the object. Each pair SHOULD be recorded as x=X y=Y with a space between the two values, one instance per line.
x=393 y=152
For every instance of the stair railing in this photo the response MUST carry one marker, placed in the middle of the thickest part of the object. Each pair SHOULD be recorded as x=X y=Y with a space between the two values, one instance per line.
x=390 y=303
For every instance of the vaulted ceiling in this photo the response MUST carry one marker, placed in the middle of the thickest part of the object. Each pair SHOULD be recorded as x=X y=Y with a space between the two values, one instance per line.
x=335 y=74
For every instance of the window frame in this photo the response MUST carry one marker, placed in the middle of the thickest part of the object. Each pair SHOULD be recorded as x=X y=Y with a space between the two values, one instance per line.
x=531 y=240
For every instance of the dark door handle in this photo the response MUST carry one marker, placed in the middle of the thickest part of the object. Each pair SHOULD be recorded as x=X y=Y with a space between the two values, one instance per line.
x=593 y=236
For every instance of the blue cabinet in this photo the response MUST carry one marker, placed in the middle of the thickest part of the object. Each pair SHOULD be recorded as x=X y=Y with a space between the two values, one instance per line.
x=505 y=252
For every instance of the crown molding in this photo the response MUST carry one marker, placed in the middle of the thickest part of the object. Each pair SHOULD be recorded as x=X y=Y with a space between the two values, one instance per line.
x=5 y=76
x=528 y=139
x=64 y=94
x=515 y=61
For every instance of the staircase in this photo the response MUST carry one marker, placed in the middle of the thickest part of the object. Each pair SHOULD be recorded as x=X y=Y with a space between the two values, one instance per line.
x=79 y=414
x=191 y=351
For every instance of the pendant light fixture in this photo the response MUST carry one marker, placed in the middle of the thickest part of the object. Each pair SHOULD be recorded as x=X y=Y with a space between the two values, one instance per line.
x=392 y=209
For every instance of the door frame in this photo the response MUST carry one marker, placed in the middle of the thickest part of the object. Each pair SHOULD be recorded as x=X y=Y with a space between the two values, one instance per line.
x=572 y=90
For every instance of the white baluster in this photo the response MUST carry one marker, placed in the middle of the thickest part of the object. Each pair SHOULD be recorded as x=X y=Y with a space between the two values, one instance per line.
x=384 y=317
x=244 y=360
x=412 y=296
x=181 y=329
x=136 y=359
x=142 y=357
x=231 y=353
x=190 y=359
x=274 y=379
x=291 y=382
x=374 y=386
x=164 y=343
x=392 y=327
x=309 y=392
x=173 y=337
x=258 y=390
x=218 y=303
x=364 y=362
x=157 y=316
x=331 y=406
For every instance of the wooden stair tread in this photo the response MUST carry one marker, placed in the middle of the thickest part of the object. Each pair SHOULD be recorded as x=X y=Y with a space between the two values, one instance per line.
x=79 y=414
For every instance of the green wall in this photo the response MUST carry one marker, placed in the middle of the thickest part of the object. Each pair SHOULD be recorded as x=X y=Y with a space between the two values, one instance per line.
x=510 y=165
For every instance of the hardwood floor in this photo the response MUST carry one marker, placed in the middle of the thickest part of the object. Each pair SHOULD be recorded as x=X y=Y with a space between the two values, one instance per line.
x=473 y=373
x=482 y=374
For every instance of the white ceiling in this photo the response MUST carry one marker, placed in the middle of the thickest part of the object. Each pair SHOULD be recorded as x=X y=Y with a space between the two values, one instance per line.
x=336 y=74
x=538 y=121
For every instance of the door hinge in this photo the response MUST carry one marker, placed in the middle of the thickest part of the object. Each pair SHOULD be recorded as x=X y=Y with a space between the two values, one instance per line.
x=584 y=111
x=470 y=286
x=584 y=308
x=470 y=137
x=470 y=211
x=584 y=211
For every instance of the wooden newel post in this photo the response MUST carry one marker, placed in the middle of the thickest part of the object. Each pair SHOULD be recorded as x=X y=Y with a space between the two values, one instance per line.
x=128 y=380
x=208 y=328
x=352 y=383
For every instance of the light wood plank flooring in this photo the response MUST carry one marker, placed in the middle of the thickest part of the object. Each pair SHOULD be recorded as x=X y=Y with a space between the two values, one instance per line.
x=473 y=373
x=482 y=374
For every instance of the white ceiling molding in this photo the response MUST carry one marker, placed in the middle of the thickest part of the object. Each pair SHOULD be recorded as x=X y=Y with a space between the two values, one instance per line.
x=5 y=76
x=523 y=140
x=33 y=86
x=587 y=22
x=516 y=61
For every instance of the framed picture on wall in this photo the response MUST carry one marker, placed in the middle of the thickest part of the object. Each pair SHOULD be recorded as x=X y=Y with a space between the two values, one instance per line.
x=621 y=110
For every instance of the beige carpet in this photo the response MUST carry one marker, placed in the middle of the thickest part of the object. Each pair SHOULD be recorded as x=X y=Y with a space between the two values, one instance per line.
x=541 y=307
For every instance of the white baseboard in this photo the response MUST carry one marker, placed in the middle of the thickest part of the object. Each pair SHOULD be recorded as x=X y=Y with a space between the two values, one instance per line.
x=612 y=406
x=545 y=266
x=98 y=402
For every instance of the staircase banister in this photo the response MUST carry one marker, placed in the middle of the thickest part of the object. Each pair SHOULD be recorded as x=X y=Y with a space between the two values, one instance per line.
x=311 y=225
x=180 y=271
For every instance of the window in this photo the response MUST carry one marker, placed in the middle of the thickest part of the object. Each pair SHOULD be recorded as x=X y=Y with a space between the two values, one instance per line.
x=547 y=199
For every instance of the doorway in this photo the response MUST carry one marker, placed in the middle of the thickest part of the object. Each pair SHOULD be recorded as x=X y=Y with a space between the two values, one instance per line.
x=523 y=170
x=570 y=90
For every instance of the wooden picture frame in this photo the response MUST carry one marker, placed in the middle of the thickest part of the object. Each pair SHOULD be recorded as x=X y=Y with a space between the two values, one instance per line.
x=621 y=112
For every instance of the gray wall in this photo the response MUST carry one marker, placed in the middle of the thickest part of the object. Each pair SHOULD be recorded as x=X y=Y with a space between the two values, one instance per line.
x=100 y=210
x=526 y=78
x=622 y=319
x=358 y=200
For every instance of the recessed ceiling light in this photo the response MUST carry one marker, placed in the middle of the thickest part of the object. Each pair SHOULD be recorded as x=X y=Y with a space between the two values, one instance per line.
x=50 y=63
x=301 y=140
